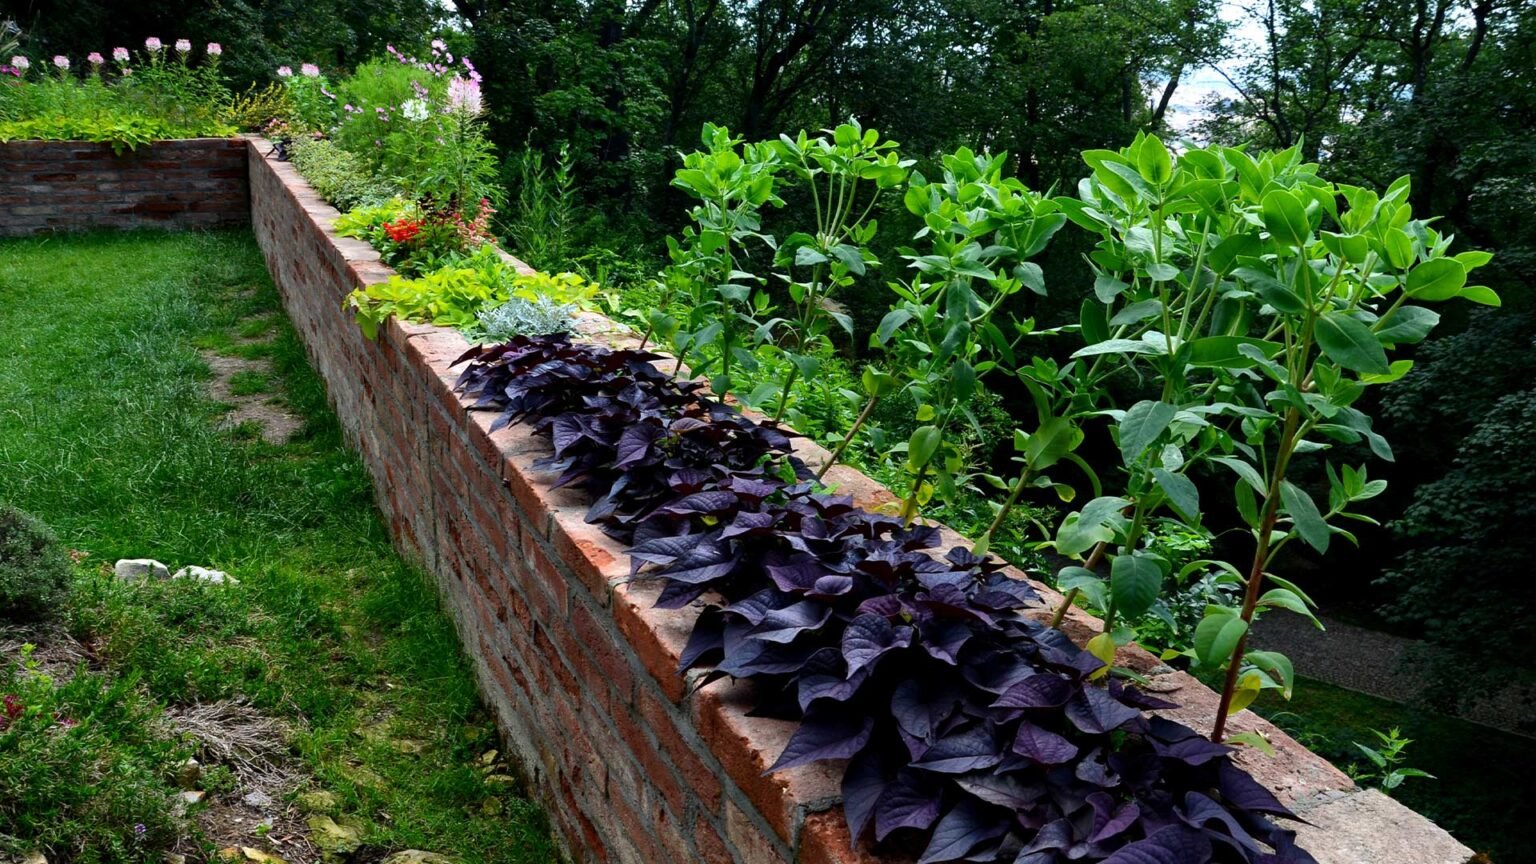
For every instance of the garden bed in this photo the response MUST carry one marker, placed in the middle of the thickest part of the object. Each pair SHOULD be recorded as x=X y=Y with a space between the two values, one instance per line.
x=73 y=186
x=580 y=668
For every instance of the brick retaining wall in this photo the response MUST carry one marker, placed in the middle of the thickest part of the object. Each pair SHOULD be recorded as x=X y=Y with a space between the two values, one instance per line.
x=634 y=765
x=71 y=186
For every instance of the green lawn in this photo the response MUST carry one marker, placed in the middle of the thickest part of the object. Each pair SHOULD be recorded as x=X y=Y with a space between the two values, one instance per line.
x=106 y=433
x=1479 y=770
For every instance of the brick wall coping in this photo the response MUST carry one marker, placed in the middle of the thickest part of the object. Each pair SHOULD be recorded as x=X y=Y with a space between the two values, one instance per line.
x=545 y=609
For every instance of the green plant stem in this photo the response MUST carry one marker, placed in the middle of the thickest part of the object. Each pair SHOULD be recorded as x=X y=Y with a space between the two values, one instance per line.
x=1013 y=498
x=1256 y=571
x=837 y=454
x=1094 y=558
x=909 y=506
x=794 y=372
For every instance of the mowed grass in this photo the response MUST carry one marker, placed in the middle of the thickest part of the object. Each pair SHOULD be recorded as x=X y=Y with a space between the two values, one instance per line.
x=106 y=433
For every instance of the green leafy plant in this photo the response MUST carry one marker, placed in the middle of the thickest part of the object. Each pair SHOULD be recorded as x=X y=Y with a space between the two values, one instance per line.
x=1257 y=302
x=344 y=180
x=34 y=569
x=521 y=316
x=1386 y=761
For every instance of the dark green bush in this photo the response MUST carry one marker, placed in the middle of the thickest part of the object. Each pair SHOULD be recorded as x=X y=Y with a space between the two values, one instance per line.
x=34 y=571
x=339 y=176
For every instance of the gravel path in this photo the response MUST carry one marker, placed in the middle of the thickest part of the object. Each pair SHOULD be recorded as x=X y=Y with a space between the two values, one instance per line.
x=1369 y=661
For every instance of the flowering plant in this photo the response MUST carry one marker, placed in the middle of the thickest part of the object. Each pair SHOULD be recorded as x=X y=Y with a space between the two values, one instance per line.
x=121 y=103
x=403 y=230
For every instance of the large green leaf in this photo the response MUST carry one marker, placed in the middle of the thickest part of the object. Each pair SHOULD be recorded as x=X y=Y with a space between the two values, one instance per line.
x=1153 y=161
x=1277 y=665
x=1181 y=492
x=1216 y=636
x=1225 y=352
x=1285 y=218
x=923 y=444
x=1141 y=425
x=1272 y=290
x=1438 y=279
x=1054 y=439
x=1134 y=582
x=1408 y=325
x=1303 y=510
x=1349 y=343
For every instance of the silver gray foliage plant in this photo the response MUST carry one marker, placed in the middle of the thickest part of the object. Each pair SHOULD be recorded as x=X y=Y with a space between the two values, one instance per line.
x=520 y=316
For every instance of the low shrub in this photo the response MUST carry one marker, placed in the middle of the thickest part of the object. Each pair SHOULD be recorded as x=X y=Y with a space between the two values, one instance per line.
x=340 y=177
x=34 y=569
x=520 y=316
x=85 y=768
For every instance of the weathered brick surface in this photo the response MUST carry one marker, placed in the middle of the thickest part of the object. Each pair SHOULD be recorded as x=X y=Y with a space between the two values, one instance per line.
x=70 y=186
x=634 y=762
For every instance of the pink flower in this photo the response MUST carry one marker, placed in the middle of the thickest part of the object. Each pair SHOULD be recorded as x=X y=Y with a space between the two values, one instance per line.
x=464 y=97
x=284 y=72
x=20 y=63
x=438 y=45
x=153 y=43
x=61 y=61
x=309 y=70
x=183 y=46
x=215 y=49
x=95 y=58
x=120 y=55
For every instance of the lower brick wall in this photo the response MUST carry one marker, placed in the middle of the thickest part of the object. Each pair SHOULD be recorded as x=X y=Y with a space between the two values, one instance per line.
x=633 y=764
x=70 y=185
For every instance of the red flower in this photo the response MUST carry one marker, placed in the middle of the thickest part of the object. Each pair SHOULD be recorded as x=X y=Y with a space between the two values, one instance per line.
x=403 y=231
x=13 y=709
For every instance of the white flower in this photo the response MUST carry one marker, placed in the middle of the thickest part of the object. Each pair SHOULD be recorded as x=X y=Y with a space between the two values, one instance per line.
x=20 y=63
x=183 y=45
x=153 y=43
x=464 y=97
x=309 y=70
x=284 y=72
x=414 y=109
x=120 y=55
x=215 y=49
x=61 y=61
x=95 y=58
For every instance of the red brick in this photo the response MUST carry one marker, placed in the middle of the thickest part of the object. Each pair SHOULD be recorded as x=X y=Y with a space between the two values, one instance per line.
x=697 y=775
x=709 y=844
x=657 y=636
x=752 y=845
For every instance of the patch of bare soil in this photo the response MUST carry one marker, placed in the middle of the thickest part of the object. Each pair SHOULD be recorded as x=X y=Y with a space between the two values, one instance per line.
x=255 y=749
x=56 y=652
x=276 y=424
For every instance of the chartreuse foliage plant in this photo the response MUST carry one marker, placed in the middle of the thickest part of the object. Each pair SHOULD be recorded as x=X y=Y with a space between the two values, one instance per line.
x=1257 y=301
x=968 y=732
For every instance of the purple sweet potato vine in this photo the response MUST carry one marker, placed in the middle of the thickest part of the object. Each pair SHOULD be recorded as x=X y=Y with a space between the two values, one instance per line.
x=969 y=731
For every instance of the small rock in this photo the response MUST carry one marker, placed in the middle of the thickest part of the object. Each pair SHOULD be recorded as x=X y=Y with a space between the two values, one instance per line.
x=488 y=758
x=260 y=857
x=258 y=799
x=318 y=801
x=34 y=857
x=190 y=774
x=203 y=574
x=503 y=781
x=139 y=569
x=408 y=746
x=193 y=797
x=173 y=858
x=416 y=856
x=334 y=839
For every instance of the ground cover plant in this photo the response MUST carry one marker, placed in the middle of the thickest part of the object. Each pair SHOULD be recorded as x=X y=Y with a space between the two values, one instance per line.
x=115 y=443
x=124 y=98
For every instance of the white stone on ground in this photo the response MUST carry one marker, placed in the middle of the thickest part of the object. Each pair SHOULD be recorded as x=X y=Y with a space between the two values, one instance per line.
x=203 y=574
x=138 y=569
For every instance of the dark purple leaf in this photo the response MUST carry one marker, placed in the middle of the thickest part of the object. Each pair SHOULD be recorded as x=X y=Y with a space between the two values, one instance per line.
x=962 y=829
x=1044 y=690
x=1094 y=711
x=1043 y=745
x=825 y=735
x=905 y=804
x=961 y=753
x=870 y=636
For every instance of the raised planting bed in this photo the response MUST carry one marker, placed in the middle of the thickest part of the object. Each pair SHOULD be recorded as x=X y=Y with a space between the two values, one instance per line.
x=72 y=186
x=634 y=762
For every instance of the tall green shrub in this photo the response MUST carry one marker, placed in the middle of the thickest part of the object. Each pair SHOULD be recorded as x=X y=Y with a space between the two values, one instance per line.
x=34 y=571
